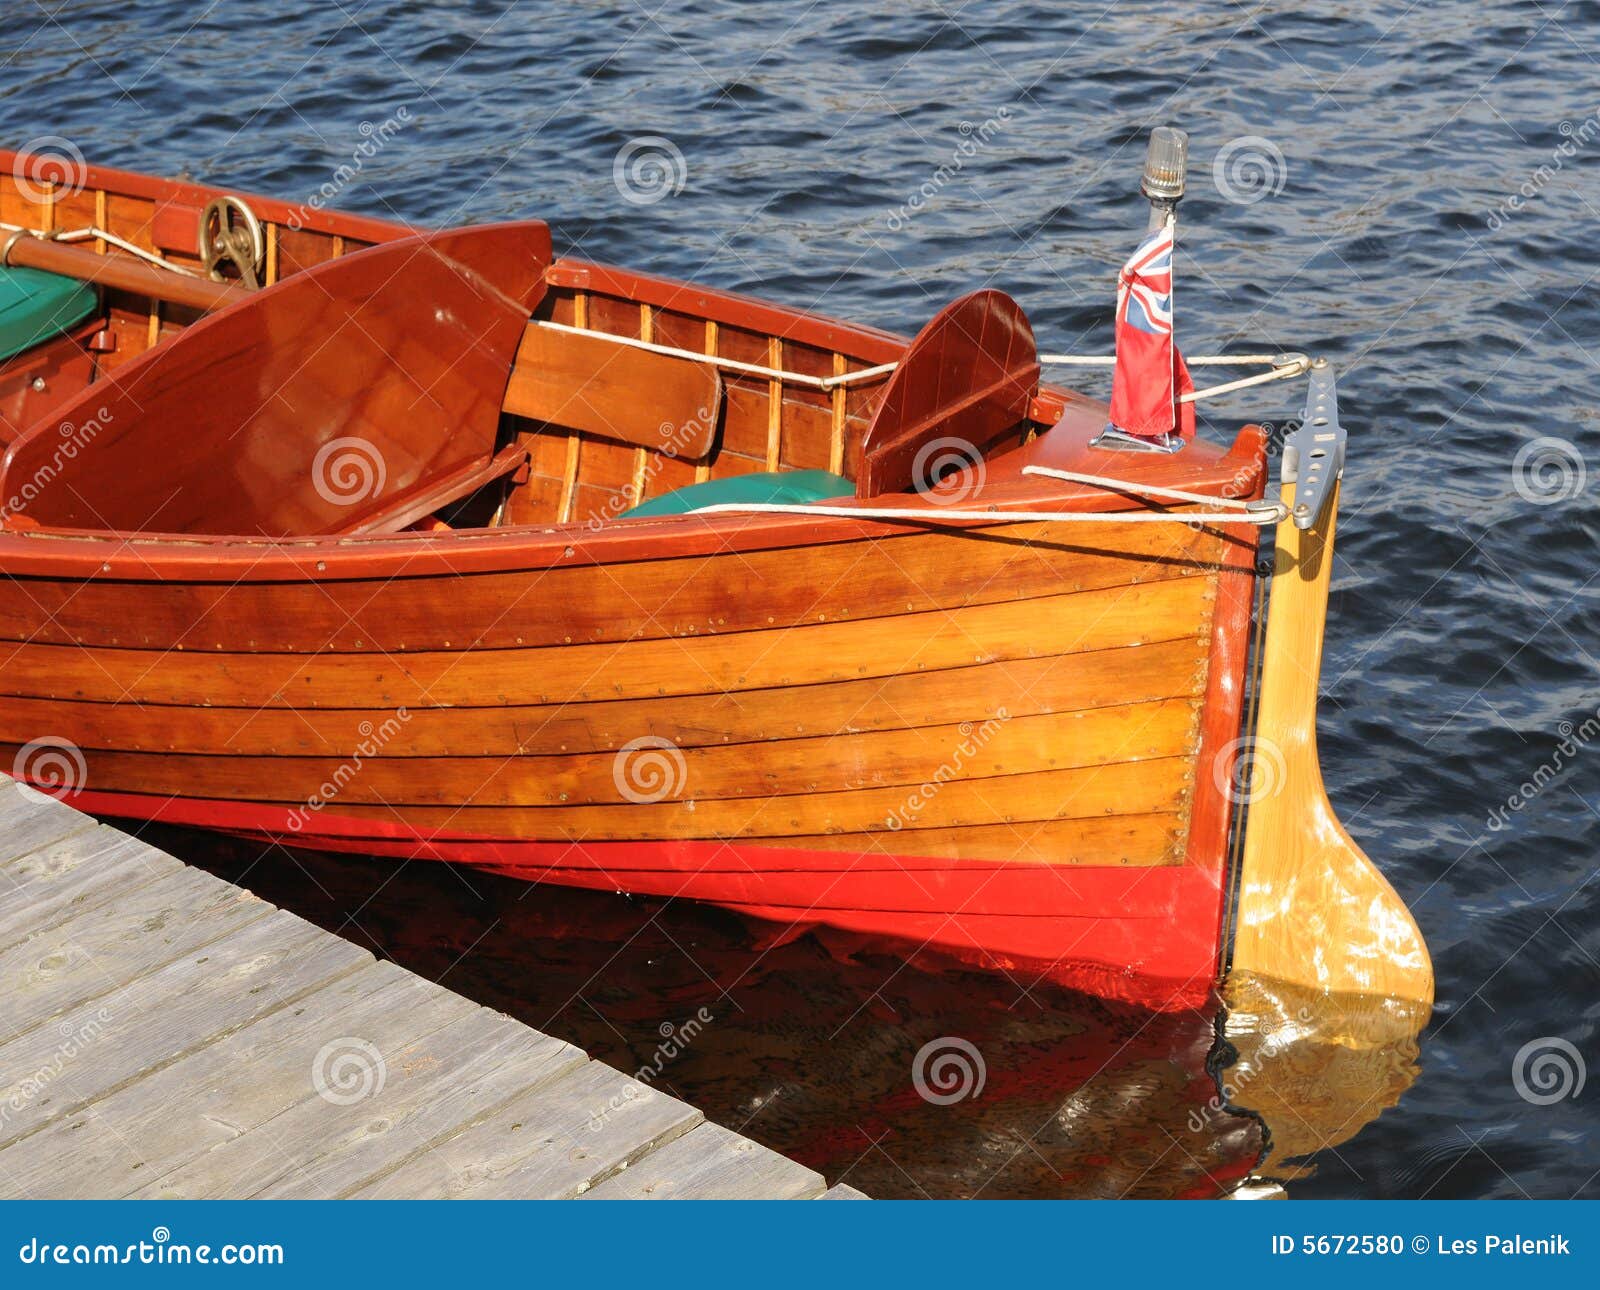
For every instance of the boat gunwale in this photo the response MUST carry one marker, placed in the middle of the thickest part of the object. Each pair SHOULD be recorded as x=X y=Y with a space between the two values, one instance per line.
x=156 y=557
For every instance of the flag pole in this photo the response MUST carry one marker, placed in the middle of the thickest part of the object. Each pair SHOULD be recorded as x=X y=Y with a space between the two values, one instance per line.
x=1165 y=166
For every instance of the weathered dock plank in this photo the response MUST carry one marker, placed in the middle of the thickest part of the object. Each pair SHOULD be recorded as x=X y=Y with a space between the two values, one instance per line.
x=484 y=1061
x=75 y=873
x=30 y=820
x=94 y=1049
x=417 y=1061
x=148 y=926
x=166 y=1034
x=551 y=1144
x=712 y=1163
x=122 y=1141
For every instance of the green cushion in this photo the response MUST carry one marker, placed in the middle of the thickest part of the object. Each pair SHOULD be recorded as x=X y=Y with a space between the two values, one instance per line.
x=35 y=306
x=786 y=486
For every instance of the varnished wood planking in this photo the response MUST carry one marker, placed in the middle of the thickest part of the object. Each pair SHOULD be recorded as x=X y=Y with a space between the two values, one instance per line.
x=688 y=596
x=585 y=383
x=795 y=656
x=819 y=764
x=813 y=428
x=1125 y=788
x=1020 y=688
x=1108 y=840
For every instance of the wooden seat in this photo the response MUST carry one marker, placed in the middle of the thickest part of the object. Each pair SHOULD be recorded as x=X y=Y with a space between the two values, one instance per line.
x=343 y=399
x=965 y=383
x=592 y=383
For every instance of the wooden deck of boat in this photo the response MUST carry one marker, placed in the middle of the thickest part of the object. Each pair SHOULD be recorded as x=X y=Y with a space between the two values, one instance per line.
x=166 y=1034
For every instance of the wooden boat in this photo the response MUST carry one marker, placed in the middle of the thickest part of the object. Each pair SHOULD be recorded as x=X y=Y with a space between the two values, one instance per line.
x=322 y=526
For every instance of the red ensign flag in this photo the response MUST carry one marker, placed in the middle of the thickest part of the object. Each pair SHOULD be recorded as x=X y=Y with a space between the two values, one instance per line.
x=1150 y=373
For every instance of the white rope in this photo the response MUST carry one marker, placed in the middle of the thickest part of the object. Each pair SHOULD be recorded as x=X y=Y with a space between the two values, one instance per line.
x=1138 y=486
x=84 y=234
x=732 y=364
x=1264 y=513
x=1204 y=360
x=1283 y=366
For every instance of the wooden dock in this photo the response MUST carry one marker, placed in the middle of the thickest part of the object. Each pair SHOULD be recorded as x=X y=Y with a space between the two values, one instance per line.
x=166 y=1034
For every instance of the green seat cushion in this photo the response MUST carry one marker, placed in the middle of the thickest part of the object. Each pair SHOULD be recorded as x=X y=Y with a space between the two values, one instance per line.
x=785 y=486
x=35 y=306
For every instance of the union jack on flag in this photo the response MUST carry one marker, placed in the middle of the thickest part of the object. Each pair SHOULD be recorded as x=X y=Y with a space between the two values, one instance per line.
x=1150 y=372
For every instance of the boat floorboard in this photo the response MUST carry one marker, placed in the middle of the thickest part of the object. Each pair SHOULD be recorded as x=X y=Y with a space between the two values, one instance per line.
x=166 y=1034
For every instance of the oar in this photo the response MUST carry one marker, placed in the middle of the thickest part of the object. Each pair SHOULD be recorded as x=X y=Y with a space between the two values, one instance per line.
x=1312 y=909
x=121 y=272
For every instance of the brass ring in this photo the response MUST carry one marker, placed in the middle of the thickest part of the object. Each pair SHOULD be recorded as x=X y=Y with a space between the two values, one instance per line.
x=5 y=251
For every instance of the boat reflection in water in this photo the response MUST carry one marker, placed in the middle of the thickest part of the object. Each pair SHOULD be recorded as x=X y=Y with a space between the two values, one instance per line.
x=904 y=1082
x=1316 y=1067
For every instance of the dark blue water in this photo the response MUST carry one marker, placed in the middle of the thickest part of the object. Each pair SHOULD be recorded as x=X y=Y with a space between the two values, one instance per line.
x=1413 y=191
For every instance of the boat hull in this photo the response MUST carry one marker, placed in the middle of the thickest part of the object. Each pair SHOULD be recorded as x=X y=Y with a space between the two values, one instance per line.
x=984 y=744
